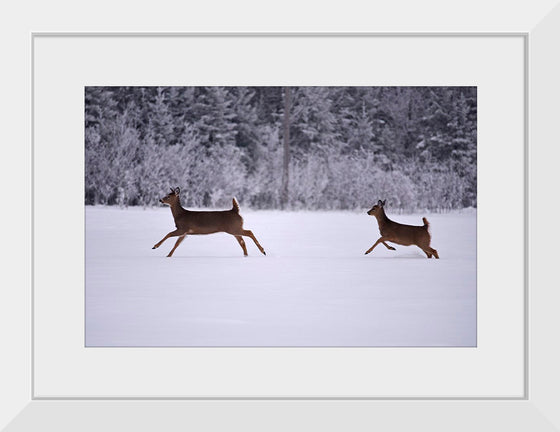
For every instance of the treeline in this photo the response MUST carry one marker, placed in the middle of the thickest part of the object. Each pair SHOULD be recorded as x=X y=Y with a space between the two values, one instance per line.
x=349 y=146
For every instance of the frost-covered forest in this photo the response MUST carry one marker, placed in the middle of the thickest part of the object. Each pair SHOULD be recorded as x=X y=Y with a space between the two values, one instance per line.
x=338 y=147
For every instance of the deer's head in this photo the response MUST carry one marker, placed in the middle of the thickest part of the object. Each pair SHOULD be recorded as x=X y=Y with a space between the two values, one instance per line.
x=377 y=208
x=172 y=197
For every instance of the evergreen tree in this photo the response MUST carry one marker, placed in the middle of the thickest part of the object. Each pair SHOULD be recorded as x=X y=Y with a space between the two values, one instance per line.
x=160 y=127
x=215 y=117
x=313 y=122
x=246 y=122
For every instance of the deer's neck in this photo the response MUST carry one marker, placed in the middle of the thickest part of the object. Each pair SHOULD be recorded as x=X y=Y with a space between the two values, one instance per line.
x=176 y=209
x=382 y=219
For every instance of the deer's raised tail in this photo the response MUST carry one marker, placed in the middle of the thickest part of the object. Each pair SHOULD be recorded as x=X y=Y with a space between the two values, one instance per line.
x=235 y=206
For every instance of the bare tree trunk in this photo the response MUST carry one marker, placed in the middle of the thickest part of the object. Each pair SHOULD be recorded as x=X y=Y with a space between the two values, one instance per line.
x=284 y=198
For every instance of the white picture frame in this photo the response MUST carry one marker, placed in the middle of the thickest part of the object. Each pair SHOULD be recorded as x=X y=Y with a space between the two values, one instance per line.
x=534 y=410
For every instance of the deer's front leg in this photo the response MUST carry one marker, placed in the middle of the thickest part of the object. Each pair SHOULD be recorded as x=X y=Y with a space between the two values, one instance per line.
x=179 y=240
x=171 y=234
x=379 y=240
x=388 y=247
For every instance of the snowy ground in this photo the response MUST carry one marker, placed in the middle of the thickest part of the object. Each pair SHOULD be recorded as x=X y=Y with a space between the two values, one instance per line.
x=315 y=287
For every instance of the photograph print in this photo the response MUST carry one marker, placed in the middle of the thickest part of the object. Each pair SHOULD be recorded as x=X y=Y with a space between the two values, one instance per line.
x=280 y=216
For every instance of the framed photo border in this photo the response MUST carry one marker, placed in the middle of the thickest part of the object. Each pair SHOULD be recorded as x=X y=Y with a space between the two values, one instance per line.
x=521 y=35
x=526 y=407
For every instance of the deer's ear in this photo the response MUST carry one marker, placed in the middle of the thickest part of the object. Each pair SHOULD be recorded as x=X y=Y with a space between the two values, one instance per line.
x=379 y=203
x=172 y=190
x=177 y=191
x=383 y=202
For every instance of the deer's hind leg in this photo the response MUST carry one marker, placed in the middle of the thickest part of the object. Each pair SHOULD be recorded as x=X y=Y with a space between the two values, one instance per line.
x=250 y=234
x=242 y=244
x=424 y=244
x=430 y=251
x=239 y=231
x=428 y=254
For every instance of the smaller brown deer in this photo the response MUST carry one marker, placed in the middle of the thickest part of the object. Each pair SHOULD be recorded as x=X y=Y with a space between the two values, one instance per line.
x=205 y=222
x=401 y=234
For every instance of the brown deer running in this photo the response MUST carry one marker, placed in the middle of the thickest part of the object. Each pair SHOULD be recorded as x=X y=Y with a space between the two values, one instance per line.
x=205 y=222
x=401 y=234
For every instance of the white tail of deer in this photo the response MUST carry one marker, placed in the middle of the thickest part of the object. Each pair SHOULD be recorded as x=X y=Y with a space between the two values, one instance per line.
x=205 y=222
x=401 y=234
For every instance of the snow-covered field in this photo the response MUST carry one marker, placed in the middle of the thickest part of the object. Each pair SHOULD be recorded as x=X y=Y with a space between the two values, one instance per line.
x=315 y=287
